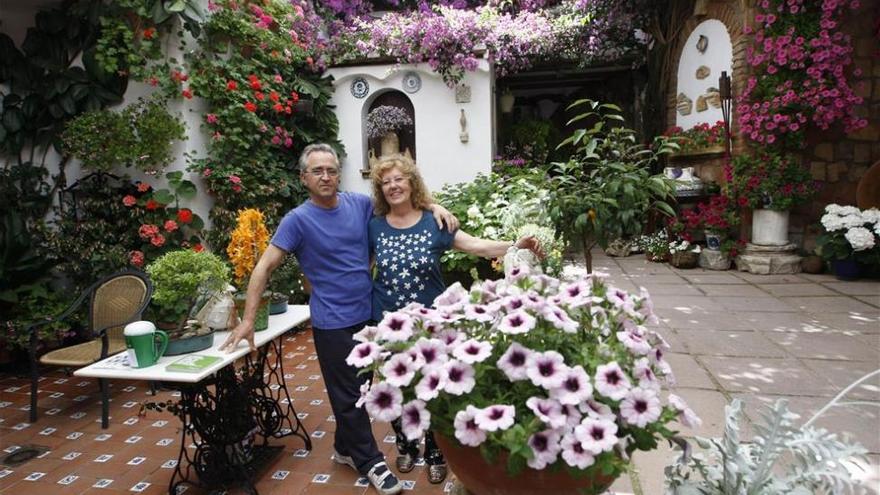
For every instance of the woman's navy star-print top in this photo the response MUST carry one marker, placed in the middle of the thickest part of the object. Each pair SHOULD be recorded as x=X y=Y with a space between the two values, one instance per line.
x=407 y=263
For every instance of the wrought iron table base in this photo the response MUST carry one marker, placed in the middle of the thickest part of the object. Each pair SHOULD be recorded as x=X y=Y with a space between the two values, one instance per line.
x=224 y=424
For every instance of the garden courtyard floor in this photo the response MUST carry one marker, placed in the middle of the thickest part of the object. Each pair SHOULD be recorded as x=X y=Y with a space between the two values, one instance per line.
x=733 y=335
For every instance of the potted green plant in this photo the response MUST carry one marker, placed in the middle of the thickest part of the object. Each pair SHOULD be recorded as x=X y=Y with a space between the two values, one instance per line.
x=717 y=218
x=607 y=191
x=180 y=280
x=849 y=240
x=383 y=123
x=286 y=286
x=656 y=246
x=771 y=184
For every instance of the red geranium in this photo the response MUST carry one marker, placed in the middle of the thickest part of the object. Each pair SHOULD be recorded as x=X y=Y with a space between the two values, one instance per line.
x=231 y=85
x=170 y=225
x=198 y=248
x=152 y=204
x=184 y=215
x=143 y=187
x=157 y=240
x=137 y=258
x=149 y=33
x=129 y=200
x=250 y=107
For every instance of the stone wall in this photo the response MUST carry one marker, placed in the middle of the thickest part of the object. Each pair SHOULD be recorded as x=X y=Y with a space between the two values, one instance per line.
x=837 y=159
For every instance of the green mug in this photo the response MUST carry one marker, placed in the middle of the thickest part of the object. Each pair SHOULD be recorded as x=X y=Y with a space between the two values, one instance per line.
x=140 y=341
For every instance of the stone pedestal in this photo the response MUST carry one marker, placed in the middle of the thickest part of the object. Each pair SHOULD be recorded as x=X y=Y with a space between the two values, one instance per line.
x=769 y=260
x=711 y=259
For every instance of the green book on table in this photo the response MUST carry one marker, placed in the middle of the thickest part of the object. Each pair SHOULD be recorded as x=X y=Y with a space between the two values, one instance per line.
x=193 y=363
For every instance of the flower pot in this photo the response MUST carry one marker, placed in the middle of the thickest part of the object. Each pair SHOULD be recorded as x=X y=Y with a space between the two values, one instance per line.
x=390 y=144
x=685 y=259
x=812 y=264
x=262 y=320
x=278 y=307
x=770 y=227
x=657 y=258
x=713 y=241
x=482 y=478
x=190 y=344
x=846 y=269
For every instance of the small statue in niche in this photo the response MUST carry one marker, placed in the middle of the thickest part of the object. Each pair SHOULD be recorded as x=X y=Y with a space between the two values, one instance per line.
x=702 y=44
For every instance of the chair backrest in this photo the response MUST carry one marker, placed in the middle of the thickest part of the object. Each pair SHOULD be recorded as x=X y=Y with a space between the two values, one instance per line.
x=117 y=300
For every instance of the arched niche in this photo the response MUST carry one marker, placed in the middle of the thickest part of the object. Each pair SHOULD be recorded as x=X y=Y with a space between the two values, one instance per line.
x=707 y=52
x=407 y=136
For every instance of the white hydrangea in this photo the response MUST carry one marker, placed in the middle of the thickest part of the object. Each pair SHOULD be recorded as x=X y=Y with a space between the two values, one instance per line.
x=853 y=220
x=836 y=209
x=871 y=216
x=860 y=238
x=832 y=222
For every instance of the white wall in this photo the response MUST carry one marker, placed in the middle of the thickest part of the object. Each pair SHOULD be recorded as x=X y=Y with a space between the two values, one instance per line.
x=718 y=57
x=442 y=157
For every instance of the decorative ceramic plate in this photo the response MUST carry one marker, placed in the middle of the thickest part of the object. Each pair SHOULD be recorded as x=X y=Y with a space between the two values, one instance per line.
x=360 y=87
x=412 y=83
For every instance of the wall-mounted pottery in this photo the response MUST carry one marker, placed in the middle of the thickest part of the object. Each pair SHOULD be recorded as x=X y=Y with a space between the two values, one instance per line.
x=412 y=83
x=702 y=43
x=713 y=97
x=684 y=104
x=462 y=93
x=702 y=105
x=703 y=72
x=360 y=87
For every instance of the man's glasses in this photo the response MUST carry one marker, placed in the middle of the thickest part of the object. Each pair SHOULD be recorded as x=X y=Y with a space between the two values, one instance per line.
x=319 y=172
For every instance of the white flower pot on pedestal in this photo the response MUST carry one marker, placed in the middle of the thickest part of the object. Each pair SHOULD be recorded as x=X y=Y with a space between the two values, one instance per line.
x=770 y=227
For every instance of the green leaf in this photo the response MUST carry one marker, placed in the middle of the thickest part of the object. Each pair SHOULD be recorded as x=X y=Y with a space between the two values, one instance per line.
x=175 y=6
x=304 y=86
x=13 y=119
x=163 y=196
x=174 y=178
x=187 y=190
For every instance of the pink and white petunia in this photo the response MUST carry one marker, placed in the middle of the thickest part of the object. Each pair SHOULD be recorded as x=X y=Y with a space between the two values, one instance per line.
x=545 y=446
x=597 y=409
x=459 y=377
x=473 y=351
x=367 y=334
x=514 y=362
x=451 y=337
x=574 y=292
x=572 y=416
x=518 y=273
x=399 y=370
x=517 y=322
x=546 y=369
x=597 y=435
x=644 y=373
x=364 y=354
x=611 y=381
x=557 y=317
x=384 y=401
x=396 y=327
x=686 y=415
x=635 y=341
x=574 y=454
x=430 y=353
x=549 y=411
x=466 y=430
x=575 y=387
x=414 y=419
x=646 y=307
x=480 y=312
x=640 y=407
x=497 y=417
x=432 y=382
x=452 y=299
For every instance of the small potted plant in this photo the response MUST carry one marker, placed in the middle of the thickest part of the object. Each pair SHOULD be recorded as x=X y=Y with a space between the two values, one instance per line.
x=716 y=218
x=656 y=246
x=286 y=286
x=528 y=383
x=247 y=243
x=701 y=139
x=180 y=280
x=683 y=254
x=849 y=240
x=383 y=122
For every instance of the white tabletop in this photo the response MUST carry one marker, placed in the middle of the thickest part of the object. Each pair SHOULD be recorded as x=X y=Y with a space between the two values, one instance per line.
x=278 y=324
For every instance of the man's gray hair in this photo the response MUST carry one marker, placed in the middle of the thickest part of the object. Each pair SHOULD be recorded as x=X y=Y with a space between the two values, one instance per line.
x=316 y=148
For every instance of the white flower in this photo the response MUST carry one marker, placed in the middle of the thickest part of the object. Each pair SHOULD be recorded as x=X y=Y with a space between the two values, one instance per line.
x=574 y=454
x=545 y=446
x=497 y=417
x=514 y=362
x=452 y=299
x=860 y=238
x=430 y=352
x=384 y=402
x=643 y=372
x=640 y=407
x=431 y=384
x=686 y=415
x=853 y=220
x=516 y=322
x=466 y=430
x=363 y=354
x=871 y=215
x=396 y=327
x=546 y=369
x=575 y=387
x=559 y=318
x=611 y=381
x=368 y=334
x=414 y=419
x=459 y=378
x=597 y=435
x=832 y=222
x=399 y=370
x=479 y=312
x=473 y=351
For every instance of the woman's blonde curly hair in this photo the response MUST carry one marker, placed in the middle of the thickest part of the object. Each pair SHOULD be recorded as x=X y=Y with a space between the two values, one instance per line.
x=419 y=194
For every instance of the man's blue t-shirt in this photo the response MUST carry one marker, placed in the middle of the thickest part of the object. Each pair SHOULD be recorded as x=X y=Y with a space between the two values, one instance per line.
x=407 y=263
x=332 y=248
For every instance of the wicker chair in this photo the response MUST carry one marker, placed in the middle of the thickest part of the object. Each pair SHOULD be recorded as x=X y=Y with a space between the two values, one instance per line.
x=114 y=301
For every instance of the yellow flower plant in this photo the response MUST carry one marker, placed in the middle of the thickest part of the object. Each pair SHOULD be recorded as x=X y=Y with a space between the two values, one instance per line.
x=249 y=239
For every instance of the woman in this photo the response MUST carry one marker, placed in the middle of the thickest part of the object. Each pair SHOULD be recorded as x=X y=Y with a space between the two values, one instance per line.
x=407 y=245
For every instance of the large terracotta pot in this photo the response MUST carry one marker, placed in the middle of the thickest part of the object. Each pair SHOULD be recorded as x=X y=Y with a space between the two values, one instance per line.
x=482 y=478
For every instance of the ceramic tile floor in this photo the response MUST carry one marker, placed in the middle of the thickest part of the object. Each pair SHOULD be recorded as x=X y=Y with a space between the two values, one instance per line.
x=137 y=454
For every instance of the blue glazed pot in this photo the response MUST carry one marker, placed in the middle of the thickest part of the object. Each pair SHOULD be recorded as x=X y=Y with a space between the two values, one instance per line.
x=713 y=241
x=846 y=269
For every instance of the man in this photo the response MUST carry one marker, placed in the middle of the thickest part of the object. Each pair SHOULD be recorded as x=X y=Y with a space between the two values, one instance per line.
x=328 y=235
